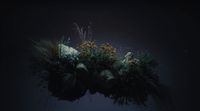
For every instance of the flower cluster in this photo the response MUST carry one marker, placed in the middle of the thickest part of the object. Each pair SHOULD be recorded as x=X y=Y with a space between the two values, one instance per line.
x=109 y=50
x=87 y=48
x=88 y=45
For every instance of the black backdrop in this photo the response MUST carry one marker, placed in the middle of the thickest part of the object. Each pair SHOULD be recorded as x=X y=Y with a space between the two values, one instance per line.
x=166 y=29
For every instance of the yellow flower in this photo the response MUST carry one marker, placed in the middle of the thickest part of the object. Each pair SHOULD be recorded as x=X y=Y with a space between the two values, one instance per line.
x=86 y=48
x=87 y=45
x=108 y=49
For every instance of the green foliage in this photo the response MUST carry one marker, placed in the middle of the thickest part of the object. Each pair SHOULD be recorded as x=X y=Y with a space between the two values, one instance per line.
x=97 y=69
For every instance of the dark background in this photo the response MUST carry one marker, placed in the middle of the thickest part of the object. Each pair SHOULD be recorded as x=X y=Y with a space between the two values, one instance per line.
x=167 y=30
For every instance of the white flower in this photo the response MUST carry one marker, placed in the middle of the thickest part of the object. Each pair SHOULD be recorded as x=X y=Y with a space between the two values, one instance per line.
x=130 y=57
x=65 y=51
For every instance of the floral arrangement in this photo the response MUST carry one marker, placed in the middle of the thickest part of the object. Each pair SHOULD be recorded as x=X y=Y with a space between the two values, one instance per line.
x=70 y=73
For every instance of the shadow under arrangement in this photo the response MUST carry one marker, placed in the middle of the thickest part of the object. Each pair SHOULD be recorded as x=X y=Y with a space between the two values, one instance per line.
x=70 y=72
